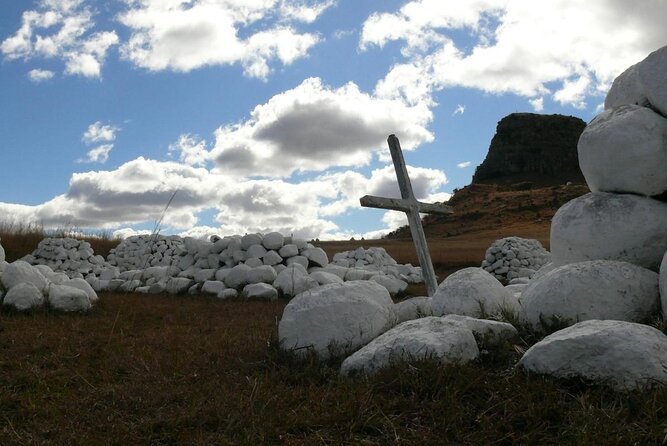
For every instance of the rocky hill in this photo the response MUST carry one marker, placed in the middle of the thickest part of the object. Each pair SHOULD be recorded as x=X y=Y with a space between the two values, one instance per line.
x=530 y=171
x=541 y=149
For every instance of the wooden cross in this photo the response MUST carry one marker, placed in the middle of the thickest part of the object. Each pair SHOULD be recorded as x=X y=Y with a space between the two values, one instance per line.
x=412 y=208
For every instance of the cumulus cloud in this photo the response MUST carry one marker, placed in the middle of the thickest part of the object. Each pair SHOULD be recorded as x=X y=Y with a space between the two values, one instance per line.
x=61 y=29
x=464 y=164
x=137 y=192
x=97 y=155
x=183 y=36
x=537 y=104
x=38 y=75
x=520 y=47
x=191 y=150
x=98 y=132
x=314 y=127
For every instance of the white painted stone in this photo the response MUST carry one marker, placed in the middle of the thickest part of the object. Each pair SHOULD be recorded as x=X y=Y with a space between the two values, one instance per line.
x=229 y=293
x=486 y=332
x=413 y=308
x=256 y=251
x=623 y=355
x=624 y=150
x=316 y=256
x=426 y=338
x=69 y=299
x=254 y=262
x=325 y=278
x=599 y=289
x=221 y=274
x=213 y=287
x=340 y=271
x=273 y=241
x=341 y=316
x=2 y=254
x=261 y=274
x=109 y=273
x=287 y=251
x=203 y=275
x=472 y=292
x=392 y=284
x=236 y=278
x=301 y=260
x=57 y=278
x=250 y=239
x=272 y=258
x=606 y=226
x=359 y=274
x=294 y=280
x=83 y=286
x=663 y=286
x=23 y=297
x=261 y=291
x=651 y=72
x=626 y=90
x=22 y=272
x=178 y=285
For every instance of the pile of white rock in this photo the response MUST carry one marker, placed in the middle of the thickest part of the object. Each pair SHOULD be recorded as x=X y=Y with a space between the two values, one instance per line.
x=255 y=266
x=515 y=257
x=24 y=287
x=377 y=259
x=607 y=278
x=143 y=251
x=67 y=255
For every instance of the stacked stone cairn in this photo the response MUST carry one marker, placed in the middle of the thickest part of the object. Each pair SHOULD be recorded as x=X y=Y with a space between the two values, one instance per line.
x=24 y=287
x=255 y=266
x=69 y=256
x=606 y=280
x=513 y=258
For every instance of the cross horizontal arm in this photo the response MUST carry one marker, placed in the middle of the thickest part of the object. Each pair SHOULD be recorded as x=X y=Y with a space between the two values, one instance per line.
x=397 y=204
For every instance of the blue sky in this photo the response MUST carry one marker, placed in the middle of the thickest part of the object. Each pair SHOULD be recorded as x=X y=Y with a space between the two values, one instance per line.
x=273 y=114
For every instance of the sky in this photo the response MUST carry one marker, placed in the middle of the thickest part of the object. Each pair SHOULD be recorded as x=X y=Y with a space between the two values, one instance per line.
x=273 y=115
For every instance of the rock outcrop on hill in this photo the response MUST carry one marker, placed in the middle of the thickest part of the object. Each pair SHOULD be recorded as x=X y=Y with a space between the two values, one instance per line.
x=541 y=149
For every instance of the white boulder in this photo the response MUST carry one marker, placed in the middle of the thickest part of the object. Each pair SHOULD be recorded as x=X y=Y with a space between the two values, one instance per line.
x=261 y=291
x=651 y=73
x=237 y=276
x=213 y=287
x=83 y=286
x=626 y=90
x=624 y=150
x=273 y=240
x=264 y=273
x=472 y=292
x=413 y=308
x=23 y=297
x=178 y=285
x=425 y=338
x=316 y=256
x=392 y=284
x=2 y=254
x=250 y=239
x=336 y=318
x=599 y=289
x=22 y=272
x=287 y=251
x=325 y=278
x=609 y=226
x=486 y=332
x=67 y=298
x=294 y=280
x=623 y=355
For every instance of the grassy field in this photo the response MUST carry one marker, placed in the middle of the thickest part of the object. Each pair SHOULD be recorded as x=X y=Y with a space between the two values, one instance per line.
x=167 y=370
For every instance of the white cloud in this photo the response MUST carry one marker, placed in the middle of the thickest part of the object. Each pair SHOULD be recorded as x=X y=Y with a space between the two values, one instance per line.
x=183 y=36
x=61 y=29
x=138 y=191
x=464 y=164
x=537 y=104
x=191 y=150
x=569 y=50
x=460 y=109
x=97 y=155
x=38 y=75
x=98 y=132
x=314 y=127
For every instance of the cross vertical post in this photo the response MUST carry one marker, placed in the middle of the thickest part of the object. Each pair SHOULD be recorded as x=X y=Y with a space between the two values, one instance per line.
x=409 y=204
